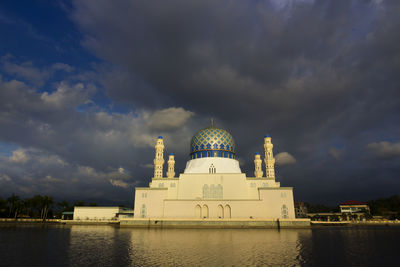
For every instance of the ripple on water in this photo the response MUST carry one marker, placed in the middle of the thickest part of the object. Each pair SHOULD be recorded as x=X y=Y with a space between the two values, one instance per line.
x=109 y=246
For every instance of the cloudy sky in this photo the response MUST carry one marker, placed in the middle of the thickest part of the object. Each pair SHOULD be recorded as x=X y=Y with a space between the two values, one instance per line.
x=86 y=86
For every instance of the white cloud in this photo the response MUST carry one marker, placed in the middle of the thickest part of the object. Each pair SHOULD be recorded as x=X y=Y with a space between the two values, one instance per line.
x=66 y=95
x=169 y=118
x=284 y=158
x=19 y=156
x=119 y=183
x=62 y=66
x=385 y=149
x=26 y=71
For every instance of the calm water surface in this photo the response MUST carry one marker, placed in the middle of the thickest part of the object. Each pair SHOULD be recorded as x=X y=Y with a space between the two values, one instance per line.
x=54 y=245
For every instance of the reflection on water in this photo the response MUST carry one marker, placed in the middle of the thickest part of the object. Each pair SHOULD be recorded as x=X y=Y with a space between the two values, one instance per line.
x=206 y=247
x=108 y=246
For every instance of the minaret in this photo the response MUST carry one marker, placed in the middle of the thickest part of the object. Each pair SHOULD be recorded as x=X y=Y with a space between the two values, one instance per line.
x=171 y=166
x=159 y=159
x=258 y=173
x=269 y=157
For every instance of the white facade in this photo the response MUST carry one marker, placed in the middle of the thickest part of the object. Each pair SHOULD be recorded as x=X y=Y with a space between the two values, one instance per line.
x=213 y=186
x=96 y=213
x=206 y=165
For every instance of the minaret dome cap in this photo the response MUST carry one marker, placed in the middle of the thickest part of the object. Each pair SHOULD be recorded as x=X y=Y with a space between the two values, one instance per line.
x=160 y=137
x=267 y=135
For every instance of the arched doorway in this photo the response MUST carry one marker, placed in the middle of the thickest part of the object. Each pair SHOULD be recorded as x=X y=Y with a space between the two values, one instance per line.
x=220 y=212
x=227 y=212
x=197 y=211
x=205 y=211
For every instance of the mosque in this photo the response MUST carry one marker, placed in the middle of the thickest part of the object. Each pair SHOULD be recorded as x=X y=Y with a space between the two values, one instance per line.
x=212 y=186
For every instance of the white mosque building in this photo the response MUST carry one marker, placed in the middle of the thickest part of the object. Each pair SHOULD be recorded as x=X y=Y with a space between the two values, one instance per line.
x=212 y=186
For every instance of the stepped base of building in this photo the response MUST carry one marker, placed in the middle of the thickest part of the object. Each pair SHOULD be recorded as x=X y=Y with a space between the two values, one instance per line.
x=214 y=223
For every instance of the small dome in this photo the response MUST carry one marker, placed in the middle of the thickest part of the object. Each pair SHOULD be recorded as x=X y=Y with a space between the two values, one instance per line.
x=212 y=142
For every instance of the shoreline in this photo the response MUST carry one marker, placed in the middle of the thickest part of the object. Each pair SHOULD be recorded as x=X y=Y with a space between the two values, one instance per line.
x=213 y=224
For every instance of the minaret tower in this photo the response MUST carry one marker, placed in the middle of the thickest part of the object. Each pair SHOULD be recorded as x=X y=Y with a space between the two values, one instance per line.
x=171 y=166
x=269 y=157
x=258 y=173
x=159 y=158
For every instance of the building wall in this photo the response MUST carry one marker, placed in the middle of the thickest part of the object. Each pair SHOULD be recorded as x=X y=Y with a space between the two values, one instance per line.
x=191 y=186
x=271 y=203
x=230 y=209
x=247 y=197
x=276 y=200
x=96 y=213
x=149 y=202
x=221 y=165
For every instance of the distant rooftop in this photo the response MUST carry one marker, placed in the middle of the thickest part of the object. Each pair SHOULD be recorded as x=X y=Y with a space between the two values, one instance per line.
x=354 y=202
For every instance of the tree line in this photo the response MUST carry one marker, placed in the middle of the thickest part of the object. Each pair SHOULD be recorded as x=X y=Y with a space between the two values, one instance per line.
x=38 y=207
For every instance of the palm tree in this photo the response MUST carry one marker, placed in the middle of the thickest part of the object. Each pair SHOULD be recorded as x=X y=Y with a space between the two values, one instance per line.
x=47 y=203
x=19 y=206
x=11 y=203
x=3 y=207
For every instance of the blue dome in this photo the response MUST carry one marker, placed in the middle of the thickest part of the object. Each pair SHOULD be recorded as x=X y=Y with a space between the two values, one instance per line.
x=212 y=142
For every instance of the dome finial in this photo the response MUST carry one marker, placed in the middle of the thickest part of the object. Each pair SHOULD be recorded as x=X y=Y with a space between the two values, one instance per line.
x=212 y=122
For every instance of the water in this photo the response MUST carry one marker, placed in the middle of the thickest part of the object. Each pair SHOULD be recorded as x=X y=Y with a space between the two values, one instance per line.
x=60 y=245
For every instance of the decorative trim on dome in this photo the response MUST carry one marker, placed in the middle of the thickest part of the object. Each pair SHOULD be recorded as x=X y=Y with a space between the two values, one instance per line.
x=212 y=142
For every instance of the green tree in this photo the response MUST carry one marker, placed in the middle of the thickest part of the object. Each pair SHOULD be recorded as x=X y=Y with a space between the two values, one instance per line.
x=388 y=207
x=3 y=207
x=79 y=203
x=41 y=205
x=64 y=206
x=12 y=202
x=47 y=203
x=19 y=207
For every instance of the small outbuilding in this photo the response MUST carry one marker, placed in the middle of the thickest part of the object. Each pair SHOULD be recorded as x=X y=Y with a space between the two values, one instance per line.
x=354 y=206
x=97 y=213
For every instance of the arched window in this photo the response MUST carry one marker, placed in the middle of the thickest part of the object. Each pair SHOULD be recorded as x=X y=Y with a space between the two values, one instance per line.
x=213 y=191
x=212 y=169
x=284 y=212
x=219 y=193
x=205 y=211
x=206 y=191
x=220 y=212
x=197 y=211
x=227 y=212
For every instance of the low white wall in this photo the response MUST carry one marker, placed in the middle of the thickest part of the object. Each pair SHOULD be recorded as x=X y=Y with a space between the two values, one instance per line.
x=96 y=213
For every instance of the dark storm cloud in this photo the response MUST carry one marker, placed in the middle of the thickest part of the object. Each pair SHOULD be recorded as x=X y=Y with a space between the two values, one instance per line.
x=320 y=76
x=69 y=145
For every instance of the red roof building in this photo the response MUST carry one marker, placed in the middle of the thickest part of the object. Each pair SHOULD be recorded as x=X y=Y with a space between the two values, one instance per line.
x=354 y=206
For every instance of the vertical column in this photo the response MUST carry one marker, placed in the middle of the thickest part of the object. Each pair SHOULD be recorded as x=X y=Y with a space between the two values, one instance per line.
x=258 y=173
x=171 y=166
x=269 y=157
x=159 y=158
